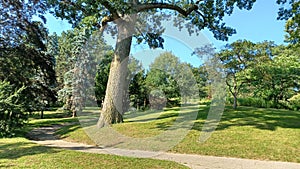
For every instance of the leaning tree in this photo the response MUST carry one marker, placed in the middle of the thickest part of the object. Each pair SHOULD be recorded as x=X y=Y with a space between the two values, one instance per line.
x=198 y=14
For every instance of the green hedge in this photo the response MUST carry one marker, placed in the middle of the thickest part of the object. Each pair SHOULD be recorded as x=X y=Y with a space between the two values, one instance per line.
x=262 y=103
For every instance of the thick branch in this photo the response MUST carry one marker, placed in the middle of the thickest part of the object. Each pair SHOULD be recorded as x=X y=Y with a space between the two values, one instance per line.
x=104 y=23
x=230 y=90
x=112 y=10
x=149 y=6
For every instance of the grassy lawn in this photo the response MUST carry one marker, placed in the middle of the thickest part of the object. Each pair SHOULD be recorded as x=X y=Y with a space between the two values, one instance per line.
x=266 y=134
x=254 y=133
x=19 y=152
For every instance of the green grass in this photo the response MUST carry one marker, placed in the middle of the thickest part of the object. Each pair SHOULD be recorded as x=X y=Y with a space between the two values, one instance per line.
x=20 y=152
x=254 y=133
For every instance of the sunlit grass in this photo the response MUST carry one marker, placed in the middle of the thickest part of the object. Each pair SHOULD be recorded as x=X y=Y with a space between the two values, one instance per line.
x=255 y=133
x=21 y=153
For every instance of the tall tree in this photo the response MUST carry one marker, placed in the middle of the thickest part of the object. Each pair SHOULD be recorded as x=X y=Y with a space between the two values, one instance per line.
x=199 y=14
x=170 y=78
x=65 y=63
x=25 y=60
x=76 y=67
x=138 y=90
x=201 y=77
x=162 y=77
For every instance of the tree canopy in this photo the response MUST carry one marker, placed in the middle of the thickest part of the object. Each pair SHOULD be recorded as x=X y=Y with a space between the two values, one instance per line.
x=25 y=58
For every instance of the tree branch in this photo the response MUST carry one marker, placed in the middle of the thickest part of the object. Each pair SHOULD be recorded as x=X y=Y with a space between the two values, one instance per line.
x=104 y=23
x=149 y=6
x=230 y=90
x=112 y=10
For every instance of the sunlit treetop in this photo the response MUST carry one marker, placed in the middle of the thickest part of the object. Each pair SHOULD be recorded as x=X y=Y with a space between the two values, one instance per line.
x=291 y=12
x=199 y=13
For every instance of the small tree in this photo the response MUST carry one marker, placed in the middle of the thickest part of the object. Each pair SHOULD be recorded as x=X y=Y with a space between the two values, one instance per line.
x=12 y=115
x=138 y=91
x=236 y=58
x=201 y=76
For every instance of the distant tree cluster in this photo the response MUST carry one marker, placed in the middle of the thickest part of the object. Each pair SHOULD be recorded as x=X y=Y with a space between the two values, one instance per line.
x=168 y=82
x=264 y=73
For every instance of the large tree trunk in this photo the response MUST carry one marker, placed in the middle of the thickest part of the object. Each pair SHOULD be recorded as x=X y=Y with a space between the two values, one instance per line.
x=112 y=111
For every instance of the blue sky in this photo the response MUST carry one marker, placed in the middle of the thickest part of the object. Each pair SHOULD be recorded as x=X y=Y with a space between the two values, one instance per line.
x=256 y=25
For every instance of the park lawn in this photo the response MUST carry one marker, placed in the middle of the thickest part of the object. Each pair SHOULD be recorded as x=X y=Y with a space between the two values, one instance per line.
x=19 y=152
x=253 y=133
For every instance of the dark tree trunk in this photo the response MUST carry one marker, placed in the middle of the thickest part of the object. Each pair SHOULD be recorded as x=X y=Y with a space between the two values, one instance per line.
x=42 y=113
x=234 y=101
x=112 y=111
x=235 y=93
x=74 y=114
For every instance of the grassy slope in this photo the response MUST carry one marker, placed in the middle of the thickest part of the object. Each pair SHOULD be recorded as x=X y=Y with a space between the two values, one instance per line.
x=21 y=153
x=266 y=134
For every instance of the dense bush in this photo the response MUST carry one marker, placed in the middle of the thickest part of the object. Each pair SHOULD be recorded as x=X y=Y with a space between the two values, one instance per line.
x=292 y=104
x=12 y=115
x=295 y=102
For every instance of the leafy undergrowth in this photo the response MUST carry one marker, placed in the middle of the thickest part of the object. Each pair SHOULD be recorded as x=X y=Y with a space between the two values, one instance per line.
x=254 y=133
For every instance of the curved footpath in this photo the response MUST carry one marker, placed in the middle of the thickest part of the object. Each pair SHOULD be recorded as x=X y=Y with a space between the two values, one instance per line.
x=45 y=136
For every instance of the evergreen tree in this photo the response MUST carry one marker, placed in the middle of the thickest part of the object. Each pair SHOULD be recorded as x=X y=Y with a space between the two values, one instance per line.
x=12 y=114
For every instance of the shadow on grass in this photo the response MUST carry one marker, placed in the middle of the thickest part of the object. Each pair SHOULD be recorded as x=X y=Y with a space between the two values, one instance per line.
x=264 y=119
x=67 y=129
x=19 y=149
x=261 y=118
x=179 y=120
x=52 y=122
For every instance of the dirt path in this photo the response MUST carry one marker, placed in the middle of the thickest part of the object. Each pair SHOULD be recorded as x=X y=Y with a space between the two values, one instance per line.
x=45 y=136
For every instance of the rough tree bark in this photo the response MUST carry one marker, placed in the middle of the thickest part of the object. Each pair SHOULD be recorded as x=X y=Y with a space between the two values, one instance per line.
x=112 y=111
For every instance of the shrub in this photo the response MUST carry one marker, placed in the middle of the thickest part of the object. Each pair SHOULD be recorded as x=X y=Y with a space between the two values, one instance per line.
x=295 y=102
x=12 y=115
x=292 y=104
